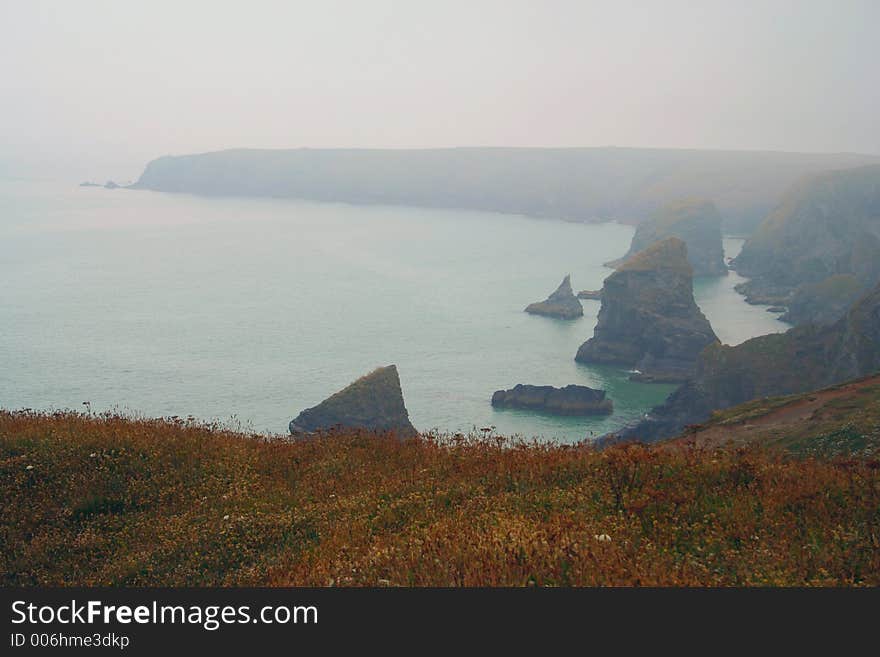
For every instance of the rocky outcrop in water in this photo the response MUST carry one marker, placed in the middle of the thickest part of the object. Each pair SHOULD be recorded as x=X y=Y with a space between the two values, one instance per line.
x=595 y=295
x=373 y=402
x=804 y=358
x=819 y=250
x=649 y=320
x=694 y=221
x=570 y=400
x=561 y=304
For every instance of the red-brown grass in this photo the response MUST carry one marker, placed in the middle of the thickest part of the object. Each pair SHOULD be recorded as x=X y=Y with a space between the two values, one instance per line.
x=118 y=501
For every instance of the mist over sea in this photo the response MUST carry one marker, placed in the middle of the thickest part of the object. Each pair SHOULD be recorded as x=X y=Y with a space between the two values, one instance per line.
x=250 y=310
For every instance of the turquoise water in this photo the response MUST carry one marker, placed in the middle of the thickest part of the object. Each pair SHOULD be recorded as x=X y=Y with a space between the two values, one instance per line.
x=251 y=310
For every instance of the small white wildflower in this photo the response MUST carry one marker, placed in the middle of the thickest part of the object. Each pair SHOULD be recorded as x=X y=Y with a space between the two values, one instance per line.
x=384 y=582
x=93 y=455
x=226 y=517
x=603 y=538
x=30 y=467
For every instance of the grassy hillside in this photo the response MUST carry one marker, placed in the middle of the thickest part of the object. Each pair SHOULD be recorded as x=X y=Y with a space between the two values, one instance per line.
x=118 y=501
x=840 y=420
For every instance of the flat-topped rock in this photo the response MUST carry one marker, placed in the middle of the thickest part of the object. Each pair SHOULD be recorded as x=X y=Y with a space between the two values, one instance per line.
x=373 y=402
x=595 y=295
x=570 y=400
x=561 y=304
x=649 y=320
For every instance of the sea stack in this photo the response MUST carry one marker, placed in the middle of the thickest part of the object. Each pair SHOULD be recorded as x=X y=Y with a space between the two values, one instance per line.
x=649 y=320
x=373 y=402
x=570 y=400
x=697 y=223
x=561 y=304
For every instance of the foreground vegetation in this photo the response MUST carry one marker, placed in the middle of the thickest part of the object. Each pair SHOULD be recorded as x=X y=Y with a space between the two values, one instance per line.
x=119 y=501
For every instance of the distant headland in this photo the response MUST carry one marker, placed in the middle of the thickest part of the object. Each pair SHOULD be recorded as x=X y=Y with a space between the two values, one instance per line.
x=629 y=185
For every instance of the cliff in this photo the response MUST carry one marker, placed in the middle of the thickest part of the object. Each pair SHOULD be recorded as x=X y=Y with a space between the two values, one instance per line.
x=561 y=304
x=805 y=358
x=649 y=319
x=570 y=400
x=843 y=420
x=697 y=223
x=819 y=249
x=580 y=184
x=823 y=302
x=373 y=402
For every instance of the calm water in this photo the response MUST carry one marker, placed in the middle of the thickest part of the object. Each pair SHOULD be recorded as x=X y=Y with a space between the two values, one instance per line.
x=255 y=309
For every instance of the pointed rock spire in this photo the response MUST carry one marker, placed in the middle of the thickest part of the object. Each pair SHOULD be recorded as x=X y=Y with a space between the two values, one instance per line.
x=562 y=303
x=374 y=402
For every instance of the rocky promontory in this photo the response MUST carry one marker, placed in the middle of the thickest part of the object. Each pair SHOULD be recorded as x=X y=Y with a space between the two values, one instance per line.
x=570 y=400
x=649 y=320
x=374 y=402
x=819 y=250
x=561 y=304
x=697 y=223
x=805 y=358
x=579 y=184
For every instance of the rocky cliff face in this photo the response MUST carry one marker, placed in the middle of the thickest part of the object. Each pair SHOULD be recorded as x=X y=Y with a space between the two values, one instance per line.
x=857 y=348
x=694 y=221
x=805 y=358
x=561 y=304
x=649 y=319
x=824 y=302
x=570 y=400
x=374 y=402
x=820 y=249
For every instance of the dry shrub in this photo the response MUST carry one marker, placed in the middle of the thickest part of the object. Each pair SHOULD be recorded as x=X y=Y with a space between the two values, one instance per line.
x=121 y=501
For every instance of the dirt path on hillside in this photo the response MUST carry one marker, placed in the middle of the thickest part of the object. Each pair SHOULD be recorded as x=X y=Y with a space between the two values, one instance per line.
x=803 y=409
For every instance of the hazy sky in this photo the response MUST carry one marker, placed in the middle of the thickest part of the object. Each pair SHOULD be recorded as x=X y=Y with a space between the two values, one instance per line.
x=99 y=88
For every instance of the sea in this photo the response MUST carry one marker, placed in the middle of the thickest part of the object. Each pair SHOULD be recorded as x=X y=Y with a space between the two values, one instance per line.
x=245 y=311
